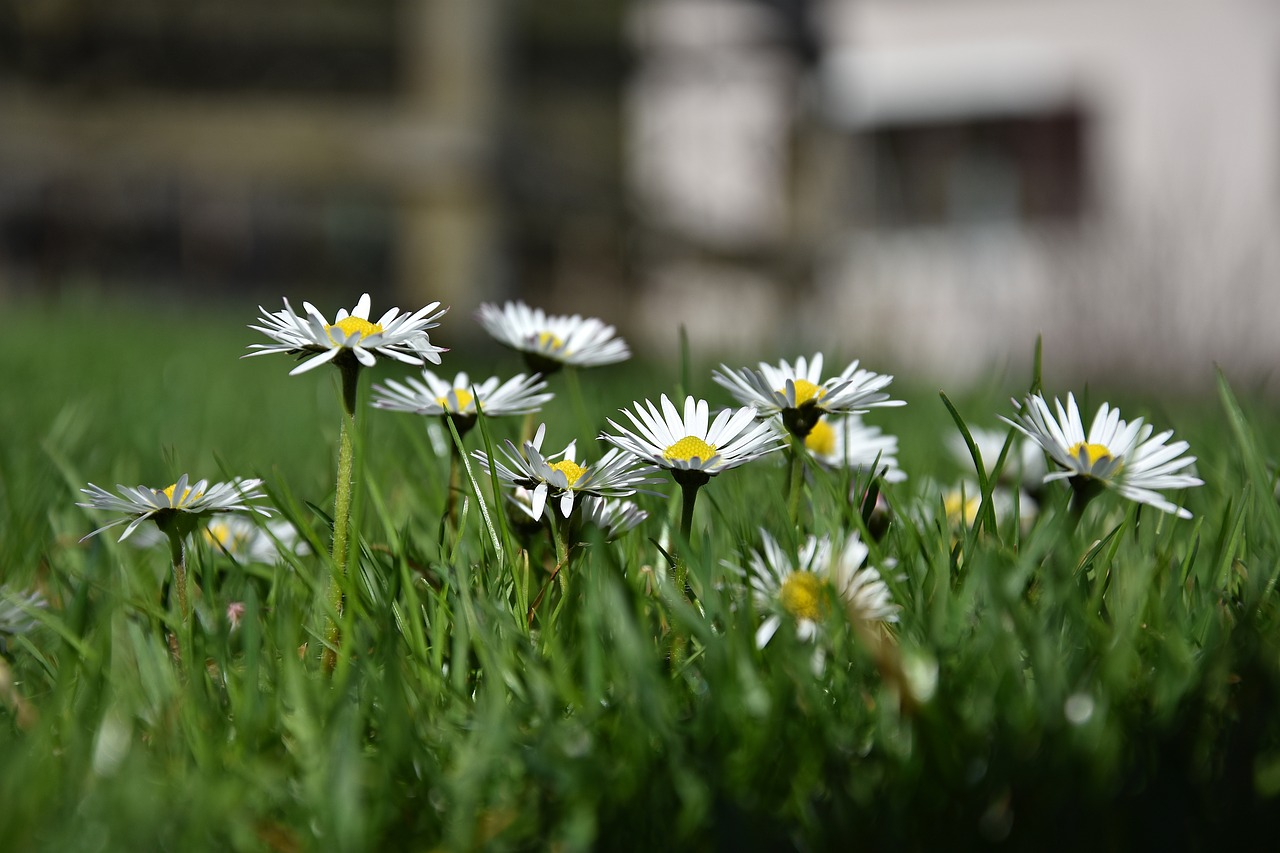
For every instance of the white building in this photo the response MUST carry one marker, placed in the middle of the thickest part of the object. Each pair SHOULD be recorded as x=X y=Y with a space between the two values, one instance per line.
x=949 y=179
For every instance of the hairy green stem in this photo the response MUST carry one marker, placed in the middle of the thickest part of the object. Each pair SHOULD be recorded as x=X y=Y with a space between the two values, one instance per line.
x=350 y=369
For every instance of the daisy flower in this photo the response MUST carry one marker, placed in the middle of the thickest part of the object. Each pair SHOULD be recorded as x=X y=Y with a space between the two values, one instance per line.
x=460 y=399
x=1024 y=464
x=178 y=507
x=613 y=516
x=849 y=443
x=693 y=448
x=615 y=475
x=799 y=393
x=802 y=588
x=15 y=611
x=395 y=335
x=243 y=539
x=1114 y=454
x=548 y=342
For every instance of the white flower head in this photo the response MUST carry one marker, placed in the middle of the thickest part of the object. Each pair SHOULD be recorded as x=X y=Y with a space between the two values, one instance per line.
x=613 y=516
x=433 y=395
x=15 y=610
x=616 y=474
x=249 y=542
x=1024 y=463
x=396 y=335
x=180 y=501
x=799 y=393
x=800 y=587
x=693 y=445
x=551 y=341
x=848 y=442
x=1115 y=454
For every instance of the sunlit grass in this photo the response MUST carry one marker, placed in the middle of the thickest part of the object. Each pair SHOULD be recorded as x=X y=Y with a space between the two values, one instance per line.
x=1115 y=684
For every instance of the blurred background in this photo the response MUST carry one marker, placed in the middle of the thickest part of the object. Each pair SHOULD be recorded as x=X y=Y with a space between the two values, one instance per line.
x=926 y=185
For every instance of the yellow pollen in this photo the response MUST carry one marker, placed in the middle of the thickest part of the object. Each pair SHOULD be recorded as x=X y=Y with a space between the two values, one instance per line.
x=806 y=392
x=571 y=470
x=801 y=595
x=464 y=399
x=550 y=340
x=186 y=493
x=352 y=325
x=217 y=534
x=689 y=447
x=821 y=439
x=1094 y=453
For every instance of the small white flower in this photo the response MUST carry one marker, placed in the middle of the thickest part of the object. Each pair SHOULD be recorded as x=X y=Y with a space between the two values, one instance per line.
x=194 y=501
x=692 y=444
x=462 y=398
x=551 y=341
x=613 y=516
x=248 y=542
x=848 y=442
x=615 y=475
x=799 y=393
x=799 y=588
x=1024 y=463
x=396 y=335
x=1116 y=454
x=15 y=610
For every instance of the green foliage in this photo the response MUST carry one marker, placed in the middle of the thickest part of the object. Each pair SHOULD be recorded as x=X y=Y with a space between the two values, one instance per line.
x=1113 y=683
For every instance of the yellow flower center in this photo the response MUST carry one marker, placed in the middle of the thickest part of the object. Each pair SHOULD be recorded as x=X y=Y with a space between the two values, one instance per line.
x=550 y=340
x=806 y=392
x=801 y=595
x=181 y=501
x=571 y=470
x=352 y=325
x=217 y=534
x=464 y=399
x=961 y=509
x=689 y=447
x=1094 y=453
x=821 y=439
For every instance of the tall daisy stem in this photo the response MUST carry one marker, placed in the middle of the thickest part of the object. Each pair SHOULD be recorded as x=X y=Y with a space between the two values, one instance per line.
x=178 y=551
x=680 y=569
x=350 y=370
x=795 y=483
x=575 y=396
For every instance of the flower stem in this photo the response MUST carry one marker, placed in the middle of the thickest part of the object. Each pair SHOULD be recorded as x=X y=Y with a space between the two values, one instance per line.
x=680 y=568
x=178 y=551
x=795 y=484
x=350 y=369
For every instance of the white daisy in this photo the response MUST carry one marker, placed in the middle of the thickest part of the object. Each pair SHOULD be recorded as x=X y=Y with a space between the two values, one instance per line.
x=179 y=502
x=689 y=447
x=15 y=610
x=249 y=542
x=551 y=341
x=849 y=443
x=1115 y=454
x=615 y=475
x=960 y=504
x=396 y=335
x=1024 y=464
x=801 y=588
x=461 y=400
x=799 y=393
x=613 y=516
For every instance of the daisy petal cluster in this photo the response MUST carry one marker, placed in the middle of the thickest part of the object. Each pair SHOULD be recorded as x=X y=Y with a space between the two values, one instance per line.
x=1114 y=453
x=560 y=477
x=799 y=393
x=15 y=610
x=1024 y=463
x=802 y=586
x=182 y=499
x=692 y=445
x=396 y=335
x=613 y=516
x=433 y=395
x=551 y=341
x=848 y=442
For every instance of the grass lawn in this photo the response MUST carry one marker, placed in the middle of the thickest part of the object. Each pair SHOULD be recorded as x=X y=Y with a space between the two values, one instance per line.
x=1110 y=681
